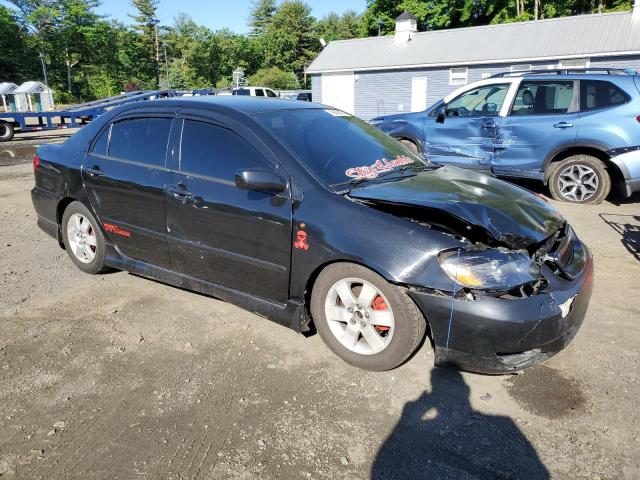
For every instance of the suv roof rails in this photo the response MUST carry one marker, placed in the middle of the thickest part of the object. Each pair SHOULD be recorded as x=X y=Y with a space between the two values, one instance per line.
x=568 y=71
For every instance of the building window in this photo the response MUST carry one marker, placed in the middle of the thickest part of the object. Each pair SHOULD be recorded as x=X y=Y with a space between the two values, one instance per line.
x=574 y=63
x=521 y=68
x=458 y=76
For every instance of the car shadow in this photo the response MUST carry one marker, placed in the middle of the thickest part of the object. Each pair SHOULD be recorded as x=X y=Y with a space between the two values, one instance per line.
x=441 y=436
x=628 y=226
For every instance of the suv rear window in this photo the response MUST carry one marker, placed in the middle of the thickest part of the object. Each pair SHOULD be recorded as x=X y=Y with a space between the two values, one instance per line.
x=543 y=98
x=596 y=94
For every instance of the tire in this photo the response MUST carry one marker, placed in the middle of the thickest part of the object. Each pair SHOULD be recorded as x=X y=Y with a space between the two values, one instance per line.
x=390 y=304
x=87 y=252
x=594 y=180
x=409 y=144
x=7 y=131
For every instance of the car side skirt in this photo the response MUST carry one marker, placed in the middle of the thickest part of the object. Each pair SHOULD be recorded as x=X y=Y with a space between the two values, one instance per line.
x=291 y=314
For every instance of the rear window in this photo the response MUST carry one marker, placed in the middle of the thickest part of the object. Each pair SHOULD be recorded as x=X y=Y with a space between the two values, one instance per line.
x=140 y=140
x=596 y=94
x=242 y=91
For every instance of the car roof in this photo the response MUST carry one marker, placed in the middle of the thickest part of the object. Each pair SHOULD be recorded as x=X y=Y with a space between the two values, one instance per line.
x=237 y=103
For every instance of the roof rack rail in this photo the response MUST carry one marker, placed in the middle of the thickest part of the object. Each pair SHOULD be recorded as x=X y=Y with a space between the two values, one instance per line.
x=568 y=71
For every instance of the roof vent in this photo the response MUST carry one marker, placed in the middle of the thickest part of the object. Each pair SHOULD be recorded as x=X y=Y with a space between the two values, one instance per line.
x=406 y=26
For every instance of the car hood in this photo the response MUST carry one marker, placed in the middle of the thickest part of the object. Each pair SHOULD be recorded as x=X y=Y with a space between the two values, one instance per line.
x=511 y=215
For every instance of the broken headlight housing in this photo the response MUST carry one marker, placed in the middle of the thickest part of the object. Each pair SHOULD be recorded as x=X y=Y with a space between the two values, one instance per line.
x=489 y=269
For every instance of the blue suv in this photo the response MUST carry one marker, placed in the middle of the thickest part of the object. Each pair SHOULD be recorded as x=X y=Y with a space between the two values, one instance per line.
x=576 y=130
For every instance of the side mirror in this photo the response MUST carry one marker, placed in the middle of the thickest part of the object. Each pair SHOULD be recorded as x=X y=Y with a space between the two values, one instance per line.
x=442 y=114
x=260 y=180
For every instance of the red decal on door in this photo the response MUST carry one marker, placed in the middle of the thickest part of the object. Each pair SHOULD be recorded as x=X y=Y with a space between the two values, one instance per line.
x=301 y=240
x=115 y=229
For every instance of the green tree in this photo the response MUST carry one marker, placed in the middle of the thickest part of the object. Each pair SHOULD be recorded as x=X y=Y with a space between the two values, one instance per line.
x=261 y=14
x=146 y=23
x=289 y=42
x=17 y=62
x=275 y=78
x=338 y=27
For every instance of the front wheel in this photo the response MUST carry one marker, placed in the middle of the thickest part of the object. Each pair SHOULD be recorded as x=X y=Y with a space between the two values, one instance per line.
x=363 y=319
x=579 y=179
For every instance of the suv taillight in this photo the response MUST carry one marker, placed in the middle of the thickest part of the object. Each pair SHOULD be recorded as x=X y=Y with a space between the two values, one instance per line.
x=638 y=118
x=36 y=162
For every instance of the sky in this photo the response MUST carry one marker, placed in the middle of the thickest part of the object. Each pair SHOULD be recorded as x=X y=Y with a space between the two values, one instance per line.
x=217 y=14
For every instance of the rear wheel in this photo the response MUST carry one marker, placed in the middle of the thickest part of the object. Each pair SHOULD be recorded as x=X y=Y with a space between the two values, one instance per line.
x=363 y=319
x=579 y=179
x=6 y=131
x=83 y=239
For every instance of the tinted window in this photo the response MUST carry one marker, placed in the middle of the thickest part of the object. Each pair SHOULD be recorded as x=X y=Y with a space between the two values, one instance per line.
x=600 y=94
x=100 y=144
x=216 y=152
x=242 y=91
x=141 y=140
x=271 y=93
x=481 y=101
x=543 y=98
x=259 y=92
x=338 y=147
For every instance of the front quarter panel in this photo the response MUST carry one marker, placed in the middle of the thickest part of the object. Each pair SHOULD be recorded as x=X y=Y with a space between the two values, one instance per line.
x=338 y=229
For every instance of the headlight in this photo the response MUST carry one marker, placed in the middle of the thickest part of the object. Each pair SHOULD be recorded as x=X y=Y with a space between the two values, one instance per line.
x=489 y=269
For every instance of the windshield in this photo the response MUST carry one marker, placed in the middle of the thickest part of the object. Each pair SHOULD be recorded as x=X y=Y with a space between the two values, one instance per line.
x=337 y=147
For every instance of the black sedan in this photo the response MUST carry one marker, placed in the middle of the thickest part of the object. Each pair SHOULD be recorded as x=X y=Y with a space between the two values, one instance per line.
x=314 y=219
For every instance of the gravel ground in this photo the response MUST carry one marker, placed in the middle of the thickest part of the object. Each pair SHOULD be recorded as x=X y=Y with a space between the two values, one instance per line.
x=115 y=376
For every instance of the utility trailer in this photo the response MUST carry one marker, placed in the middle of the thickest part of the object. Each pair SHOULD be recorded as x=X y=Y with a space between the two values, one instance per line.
x=74 y=116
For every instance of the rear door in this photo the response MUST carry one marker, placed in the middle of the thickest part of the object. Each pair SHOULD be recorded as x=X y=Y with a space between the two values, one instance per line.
x=125 y=173
x=466 y=138
x=543 y=119
x=232 y=237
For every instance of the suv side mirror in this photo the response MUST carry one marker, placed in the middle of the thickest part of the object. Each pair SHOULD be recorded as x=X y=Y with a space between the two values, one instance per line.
x=442 y=114
x=260 y=180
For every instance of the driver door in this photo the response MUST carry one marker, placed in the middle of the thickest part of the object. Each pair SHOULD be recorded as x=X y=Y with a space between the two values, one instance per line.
x=467 y=133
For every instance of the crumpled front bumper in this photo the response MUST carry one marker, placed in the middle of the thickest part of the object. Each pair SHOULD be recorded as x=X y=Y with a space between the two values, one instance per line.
x=500 y=335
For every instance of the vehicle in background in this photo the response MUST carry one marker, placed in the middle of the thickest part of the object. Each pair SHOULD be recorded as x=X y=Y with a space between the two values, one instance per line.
x=576 y=130
x=304 y=96
x=255 y=92
x=227 y=197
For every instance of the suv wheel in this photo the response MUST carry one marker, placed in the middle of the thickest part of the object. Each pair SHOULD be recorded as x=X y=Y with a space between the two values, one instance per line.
x=579 y=179
x=363 y=319
x=83 y=238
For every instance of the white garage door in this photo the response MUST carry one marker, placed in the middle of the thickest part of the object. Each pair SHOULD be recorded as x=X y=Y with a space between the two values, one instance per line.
x=338 y=90
x=418 y=94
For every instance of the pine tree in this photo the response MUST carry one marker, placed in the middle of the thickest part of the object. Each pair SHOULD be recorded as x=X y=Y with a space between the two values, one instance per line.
x=262 y=12
x=147 y=25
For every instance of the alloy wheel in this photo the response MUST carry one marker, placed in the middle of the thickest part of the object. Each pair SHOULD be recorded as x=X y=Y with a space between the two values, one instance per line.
x=359 y=316
x=82 y=238
x=578 y=183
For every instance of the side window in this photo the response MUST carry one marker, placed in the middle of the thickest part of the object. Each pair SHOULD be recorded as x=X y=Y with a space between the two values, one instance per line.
x=596 y=94
x=271 y=93
x=543 y=98
x=100 y=144
x=140 y=140
x=479 y=102
x=259 y=92
x=217 y=152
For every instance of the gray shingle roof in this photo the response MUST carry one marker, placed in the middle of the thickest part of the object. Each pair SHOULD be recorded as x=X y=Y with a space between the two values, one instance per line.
x=585 y=35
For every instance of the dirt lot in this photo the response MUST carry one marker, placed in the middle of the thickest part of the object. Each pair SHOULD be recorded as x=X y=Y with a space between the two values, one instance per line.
x=115 y=376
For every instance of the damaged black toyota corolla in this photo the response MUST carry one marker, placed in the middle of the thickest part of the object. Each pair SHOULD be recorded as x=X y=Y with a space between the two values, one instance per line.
x=312 y=218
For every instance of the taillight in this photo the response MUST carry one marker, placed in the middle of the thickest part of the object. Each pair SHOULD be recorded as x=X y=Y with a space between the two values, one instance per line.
x=638 y=118
x=36 y=162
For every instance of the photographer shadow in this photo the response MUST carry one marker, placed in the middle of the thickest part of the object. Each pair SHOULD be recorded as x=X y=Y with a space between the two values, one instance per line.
x=440 y=436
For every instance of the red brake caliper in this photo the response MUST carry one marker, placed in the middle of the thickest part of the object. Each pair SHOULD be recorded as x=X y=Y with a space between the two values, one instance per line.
x=380 y=304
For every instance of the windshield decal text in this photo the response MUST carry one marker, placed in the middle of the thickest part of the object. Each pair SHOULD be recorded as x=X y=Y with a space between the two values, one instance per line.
x=372 y=171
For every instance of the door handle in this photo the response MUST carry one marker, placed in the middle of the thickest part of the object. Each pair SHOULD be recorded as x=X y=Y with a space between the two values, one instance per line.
x=563 y=125
x=94 y=171
x=179 y=191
